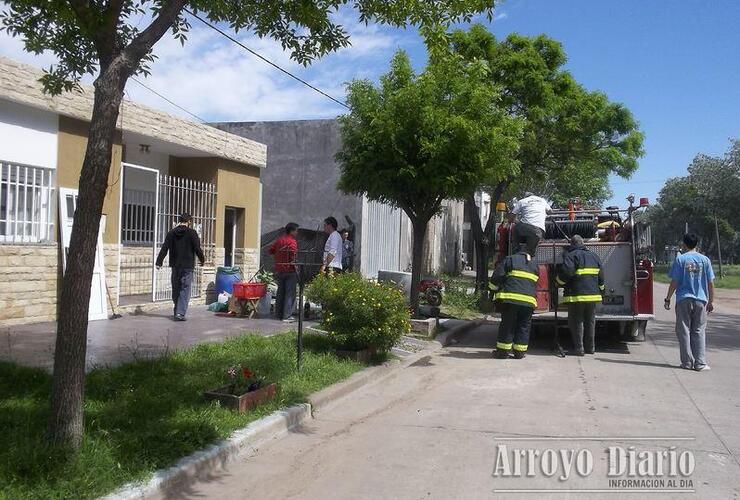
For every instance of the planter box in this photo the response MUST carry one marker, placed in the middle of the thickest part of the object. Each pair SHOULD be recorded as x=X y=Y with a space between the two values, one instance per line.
x=244 y=402
x=361 y=356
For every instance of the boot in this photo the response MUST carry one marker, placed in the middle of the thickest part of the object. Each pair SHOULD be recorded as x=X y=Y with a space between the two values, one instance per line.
x=519 y=354
x=499 y=354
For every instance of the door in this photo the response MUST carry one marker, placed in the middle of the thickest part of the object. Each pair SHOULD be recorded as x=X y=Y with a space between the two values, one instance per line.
x=67 y=207
x=229 y=236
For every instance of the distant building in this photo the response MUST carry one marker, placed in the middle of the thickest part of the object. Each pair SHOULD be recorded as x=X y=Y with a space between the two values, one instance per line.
x=299 y=185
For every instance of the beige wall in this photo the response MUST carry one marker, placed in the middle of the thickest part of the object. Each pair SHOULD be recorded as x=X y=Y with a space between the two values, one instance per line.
x=237 y=185
x=72 y=145
x=28 y=284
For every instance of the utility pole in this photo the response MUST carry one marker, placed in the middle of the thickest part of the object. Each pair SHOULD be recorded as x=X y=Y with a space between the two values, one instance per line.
x=719 y=248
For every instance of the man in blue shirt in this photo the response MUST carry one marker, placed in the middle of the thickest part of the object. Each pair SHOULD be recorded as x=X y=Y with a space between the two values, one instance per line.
x=692 y=278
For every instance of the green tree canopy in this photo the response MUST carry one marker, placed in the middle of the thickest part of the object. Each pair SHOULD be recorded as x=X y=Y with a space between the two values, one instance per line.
x=572 y=139
x=710 y=191
x=417 y=140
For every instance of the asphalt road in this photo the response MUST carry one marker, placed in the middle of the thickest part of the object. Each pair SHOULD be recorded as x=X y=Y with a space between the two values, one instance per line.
x=441 y=428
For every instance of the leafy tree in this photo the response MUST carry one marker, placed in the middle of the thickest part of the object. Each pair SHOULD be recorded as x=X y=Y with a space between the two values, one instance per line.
x=572 y=140
x=103 y=38
x=417 y=140
x=707 y=200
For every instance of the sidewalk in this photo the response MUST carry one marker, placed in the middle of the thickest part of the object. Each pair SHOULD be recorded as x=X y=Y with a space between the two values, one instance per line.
x=132 y=337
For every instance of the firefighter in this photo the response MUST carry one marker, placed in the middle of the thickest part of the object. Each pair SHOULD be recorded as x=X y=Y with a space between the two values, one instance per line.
x=516 y=282
x=582 y=277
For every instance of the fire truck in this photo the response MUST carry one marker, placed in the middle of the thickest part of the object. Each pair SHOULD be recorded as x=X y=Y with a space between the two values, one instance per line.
x=622 y=241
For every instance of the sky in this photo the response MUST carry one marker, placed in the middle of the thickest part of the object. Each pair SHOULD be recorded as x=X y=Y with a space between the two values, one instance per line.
x=674 y=63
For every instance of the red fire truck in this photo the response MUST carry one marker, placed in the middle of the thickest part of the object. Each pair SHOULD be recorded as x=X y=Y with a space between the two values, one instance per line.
x=622 y=242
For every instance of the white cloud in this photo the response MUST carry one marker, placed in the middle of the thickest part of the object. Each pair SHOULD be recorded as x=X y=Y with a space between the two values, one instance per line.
x=219 y=81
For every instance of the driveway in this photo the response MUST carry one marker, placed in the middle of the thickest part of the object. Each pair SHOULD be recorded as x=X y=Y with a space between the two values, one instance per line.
x=440 y=428
x=134 y=336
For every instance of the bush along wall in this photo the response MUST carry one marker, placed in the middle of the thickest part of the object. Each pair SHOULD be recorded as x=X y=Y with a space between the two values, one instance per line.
x=360 y=314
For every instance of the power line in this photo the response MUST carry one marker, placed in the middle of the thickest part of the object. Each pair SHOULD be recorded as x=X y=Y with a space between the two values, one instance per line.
x=254 y=53
x=169 y=101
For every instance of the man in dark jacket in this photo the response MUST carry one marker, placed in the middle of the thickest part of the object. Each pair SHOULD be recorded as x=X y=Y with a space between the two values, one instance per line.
x=183 y=244
x=582 y=277
x=516 y=279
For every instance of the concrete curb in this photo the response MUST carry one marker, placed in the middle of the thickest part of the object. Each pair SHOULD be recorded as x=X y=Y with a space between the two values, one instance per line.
x=218 y=455
x=273 y=426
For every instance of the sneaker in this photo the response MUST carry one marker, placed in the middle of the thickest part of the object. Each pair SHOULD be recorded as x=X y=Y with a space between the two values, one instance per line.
x=686 y=367
x=702 y=368
x=497 y=354
x=179 y=317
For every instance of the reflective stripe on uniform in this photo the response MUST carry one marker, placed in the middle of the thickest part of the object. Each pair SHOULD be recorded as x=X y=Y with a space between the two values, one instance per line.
x=588 y=271
x=523 y=274
x=581 y=298
x=602 y=287
x=520 y=347
x=502 y=346
x=527 y=299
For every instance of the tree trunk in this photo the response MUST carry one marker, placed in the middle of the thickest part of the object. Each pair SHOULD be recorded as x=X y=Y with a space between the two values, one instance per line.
x=420 y=228
x=65 y=424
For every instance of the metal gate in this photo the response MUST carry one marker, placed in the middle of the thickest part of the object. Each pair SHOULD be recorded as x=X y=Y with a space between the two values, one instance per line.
x=385 y=239
x=176 y=195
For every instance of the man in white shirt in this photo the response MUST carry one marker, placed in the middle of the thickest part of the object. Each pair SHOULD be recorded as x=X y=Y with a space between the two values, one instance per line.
x=333 y=249
x=531 y=212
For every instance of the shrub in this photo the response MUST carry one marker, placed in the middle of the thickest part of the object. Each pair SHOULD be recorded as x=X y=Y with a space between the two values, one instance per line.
x=360 y=314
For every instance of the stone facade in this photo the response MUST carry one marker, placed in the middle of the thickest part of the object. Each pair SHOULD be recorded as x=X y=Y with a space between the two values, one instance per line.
x=110 y=256
x=136 y=270
x=28 y=284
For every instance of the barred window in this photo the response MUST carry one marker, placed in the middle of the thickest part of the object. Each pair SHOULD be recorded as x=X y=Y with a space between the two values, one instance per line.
x=137 y=220
x=26 y=203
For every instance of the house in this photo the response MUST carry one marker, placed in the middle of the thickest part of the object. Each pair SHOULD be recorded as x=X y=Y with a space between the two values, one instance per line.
x=161 y=166
x=299 y=186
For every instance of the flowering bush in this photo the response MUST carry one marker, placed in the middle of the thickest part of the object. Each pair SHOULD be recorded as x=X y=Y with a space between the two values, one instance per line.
x=242 y=380
x=360 y=314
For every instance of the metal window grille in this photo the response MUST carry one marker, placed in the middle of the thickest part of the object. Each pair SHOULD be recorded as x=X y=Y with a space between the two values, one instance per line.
x=137 y=221
x=26 y=203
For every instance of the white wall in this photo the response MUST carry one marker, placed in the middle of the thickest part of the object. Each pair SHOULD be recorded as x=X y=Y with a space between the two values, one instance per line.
x=28 y=135
x=152 y=159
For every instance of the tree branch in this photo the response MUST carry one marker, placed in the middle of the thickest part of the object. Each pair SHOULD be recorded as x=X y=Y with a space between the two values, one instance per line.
x=145 y=40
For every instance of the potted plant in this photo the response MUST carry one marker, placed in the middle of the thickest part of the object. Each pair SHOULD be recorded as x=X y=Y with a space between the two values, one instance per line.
x=244 y=390
x=362 y=317
x=267 y=278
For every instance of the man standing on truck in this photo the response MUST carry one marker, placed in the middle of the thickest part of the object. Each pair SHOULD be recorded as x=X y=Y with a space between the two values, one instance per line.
x=582 y=277
x=531 y=212
x=183 y=245
x=516 y=279
x=692 y=278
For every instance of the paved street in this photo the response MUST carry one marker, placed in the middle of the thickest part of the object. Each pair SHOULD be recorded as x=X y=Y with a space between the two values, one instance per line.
x=432 y=430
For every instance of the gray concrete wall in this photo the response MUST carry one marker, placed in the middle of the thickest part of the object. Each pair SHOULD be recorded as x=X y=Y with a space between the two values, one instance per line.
x=299 y=183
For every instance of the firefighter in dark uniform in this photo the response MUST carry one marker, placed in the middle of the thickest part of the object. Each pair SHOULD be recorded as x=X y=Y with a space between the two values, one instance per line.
x=582 y=277
x=516 y=282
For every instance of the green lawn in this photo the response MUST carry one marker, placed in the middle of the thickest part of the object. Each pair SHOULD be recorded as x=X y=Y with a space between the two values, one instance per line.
x=144 y=416
x=731 y=277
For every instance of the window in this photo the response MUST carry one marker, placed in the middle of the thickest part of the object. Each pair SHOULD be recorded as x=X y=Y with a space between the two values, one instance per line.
x=26 y=209
x=137 y=221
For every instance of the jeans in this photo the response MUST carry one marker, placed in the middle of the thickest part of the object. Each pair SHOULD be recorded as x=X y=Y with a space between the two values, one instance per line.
x=285 y=301
x=528 y=234
x=691 y=324
x=182 y=277
x=582 y=324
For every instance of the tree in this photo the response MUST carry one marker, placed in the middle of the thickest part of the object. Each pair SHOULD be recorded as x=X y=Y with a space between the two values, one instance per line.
x=102 y=37
x=706 y=199
x=572 y=139
x=420 y=139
